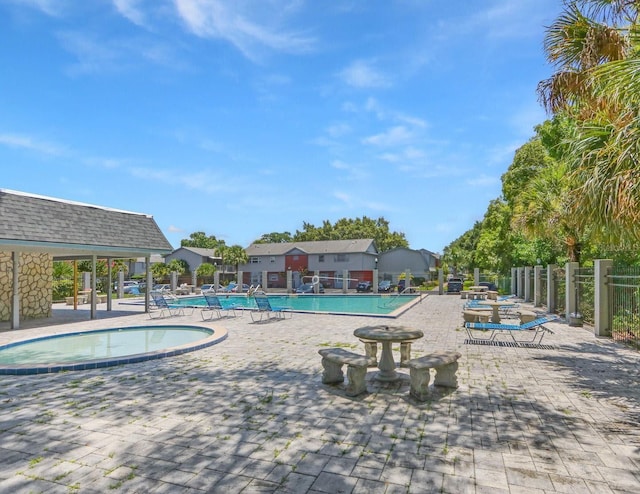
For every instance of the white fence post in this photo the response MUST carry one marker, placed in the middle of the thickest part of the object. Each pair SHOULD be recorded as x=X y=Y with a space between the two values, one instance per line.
x=537 y=285
x=527 y=284
x=552 y=291
x=601 y=297
x=570 y=290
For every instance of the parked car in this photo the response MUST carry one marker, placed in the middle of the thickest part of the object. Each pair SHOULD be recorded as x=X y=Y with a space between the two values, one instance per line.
x=309 y=288
x=364 y=286
x=490 y=286
x=454 y=285
x=401 y=287
x=386 y=286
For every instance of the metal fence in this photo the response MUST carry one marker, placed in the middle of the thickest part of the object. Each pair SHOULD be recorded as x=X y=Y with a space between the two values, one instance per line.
x=624 y=296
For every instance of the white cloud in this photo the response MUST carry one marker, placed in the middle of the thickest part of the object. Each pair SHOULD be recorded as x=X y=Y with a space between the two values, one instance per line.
x=362 y=74
x=482 y=180
x=392 y=137
x=28 y=142
x=130 y=10
x=338 y=130
x=53 y=8
x=243 y=24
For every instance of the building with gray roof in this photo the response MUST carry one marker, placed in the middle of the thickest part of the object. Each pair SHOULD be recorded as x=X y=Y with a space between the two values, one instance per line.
x=37 y=230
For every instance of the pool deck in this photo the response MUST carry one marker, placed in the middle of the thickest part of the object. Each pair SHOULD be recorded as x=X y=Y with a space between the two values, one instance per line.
x=251 y=415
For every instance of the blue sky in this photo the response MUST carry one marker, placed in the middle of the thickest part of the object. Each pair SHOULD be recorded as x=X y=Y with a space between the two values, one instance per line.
x=244 y=117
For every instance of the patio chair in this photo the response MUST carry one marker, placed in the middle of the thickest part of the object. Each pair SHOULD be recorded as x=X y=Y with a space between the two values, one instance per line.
x=215 y=307
x=163 y=308
x=537 y=326
x=265 y=309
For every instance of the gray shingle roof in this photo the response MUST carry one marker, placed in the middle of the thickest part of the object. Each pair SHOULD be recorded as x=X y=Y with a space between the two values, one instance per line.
x=318 y=247
x=65 y=228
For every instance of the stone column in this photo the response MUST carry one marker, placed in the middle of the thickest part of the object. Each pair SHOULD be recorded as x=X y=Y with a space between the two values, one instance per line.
x=265 y=280
x=194 y=280
x=537 y=286
x=289 y=281
x=514 y=281
x=602 y=316
x=527 y=284
x=570 y=290
x=216 y=279
x=476 y=276
x=110 y=281
x=345 y=280
x=239 y=280
x=552 y=289
x=375 y=281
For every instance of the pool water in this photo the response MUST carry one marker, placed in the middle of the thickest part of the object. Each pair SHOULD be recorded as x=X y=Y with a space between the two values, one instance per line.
x=378 y=305
x=102 y=348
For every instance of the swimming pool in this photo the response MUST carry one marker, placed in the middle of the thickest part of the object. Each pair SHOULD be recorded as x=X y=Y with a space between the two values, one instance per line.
x=371 y=305
x=103 y=348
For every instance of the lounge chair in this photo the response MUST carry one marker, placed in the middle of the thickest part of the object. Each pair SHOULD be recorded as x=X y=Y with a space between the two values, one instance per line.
x=537 y=326
x=264 y=309
x=163 y=308
x=215 y=307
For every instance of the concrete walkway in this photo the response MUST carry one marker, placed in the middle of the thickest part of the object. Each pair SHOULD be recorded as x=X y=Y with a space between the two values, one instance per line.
x=251 y=415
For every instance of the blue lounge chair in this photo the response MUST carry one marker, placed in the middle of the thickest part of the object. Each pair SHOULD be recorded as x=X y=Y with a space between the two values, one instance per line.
x=163 y=307
x=264 y=309
x=537 y=326
x=215 y=307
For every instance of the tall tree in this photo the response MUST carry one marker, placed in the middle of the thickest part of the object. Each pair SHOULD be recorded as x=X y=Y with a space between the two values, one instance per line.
x=274 y=238
x=202 y=241
x=347 y=228
x=595 y=47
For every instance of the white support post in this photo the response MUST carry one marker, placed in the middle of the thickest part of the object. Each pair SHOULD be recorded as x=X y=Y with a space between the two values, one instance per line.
x=345 y=280
x=375 y=281
x=571 y=287
x=93 y=296
x=216 y=279
x=527 y=284
x=537 y=286
x=552 y=291
x=519 y=287
x=289 y=281
x=109 y=283
x=265 y=279
x=147 y=292
x=15 y=291
x=174 y=281
x=121 y=284
x=240 y=276
x=602 y=316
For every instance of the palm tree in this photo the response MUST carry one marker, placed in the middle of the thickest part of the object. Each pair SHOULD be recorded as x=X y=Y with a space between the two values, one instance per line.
x=595 y=45
x=545 y=209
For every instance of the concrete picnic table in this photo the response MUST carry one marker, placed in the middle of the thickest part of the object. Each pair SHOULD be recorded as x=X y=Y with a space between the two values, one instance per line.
x=387 y=335
x=495 y=305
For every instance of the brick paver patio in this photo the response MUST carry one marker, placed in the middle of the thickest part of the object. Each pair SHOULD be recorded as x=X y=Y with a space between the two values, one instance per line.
x=251 y=415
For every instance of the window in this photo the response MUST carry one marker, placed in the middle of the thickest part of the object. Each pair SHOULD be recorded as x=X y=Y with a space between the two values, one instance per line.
x=321 y=258
x=255 y=260
x=272 y=259
x=341 y=258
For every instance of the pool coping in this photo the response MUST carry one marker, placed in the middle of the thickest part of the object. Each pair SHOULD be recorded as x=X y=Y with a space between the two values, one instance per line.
x=417 y=298
x=217 y=335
